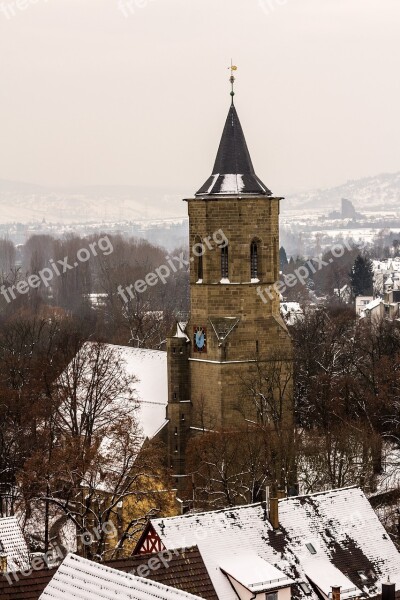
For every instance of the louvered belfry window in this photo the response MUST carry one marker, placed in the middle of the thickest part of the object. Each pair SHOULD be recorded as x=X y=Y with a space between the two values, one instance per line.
x=254 y=260
x=224 y=263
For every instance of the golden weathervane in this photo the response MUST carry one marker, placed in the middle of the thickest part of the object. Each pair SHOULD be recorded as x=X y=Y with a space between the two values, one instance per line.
x=233 y=68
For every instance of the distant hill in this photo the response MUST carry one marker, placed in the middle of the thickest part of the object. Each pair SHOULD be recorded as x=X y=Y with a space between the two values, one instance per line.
x=25 y=202
x=381 y=192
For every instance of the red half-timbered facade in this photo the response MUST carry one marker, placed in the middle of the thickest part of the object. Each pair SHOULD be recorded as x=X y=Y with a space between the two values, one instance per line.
x=149 y=542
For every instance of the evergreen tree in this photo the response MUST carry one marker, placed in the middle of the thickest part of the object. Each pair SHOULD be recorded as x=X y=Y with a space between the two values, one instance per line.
x=283 y=261
x=361 y=276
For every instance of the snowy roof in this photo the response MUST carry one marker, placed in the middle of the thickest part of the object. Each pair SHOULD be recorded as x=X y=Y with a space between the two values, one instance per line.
x=185 y=570
x=391 y=264
x=291 y=312
x=254 y=573
x=233 y=172
x=149 y=367
x=13 y=544
x=339 y=526
x=373 y=304
x=181 y=330
x=82 y=579
x=322 y=573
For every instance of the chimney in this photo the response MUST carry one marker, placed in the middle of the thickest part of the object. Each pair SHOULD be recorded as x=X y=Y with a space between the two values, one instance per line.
x=388 y=590
x=274 y=512
x=3 y=563
x=281 y=494
x=336 y=592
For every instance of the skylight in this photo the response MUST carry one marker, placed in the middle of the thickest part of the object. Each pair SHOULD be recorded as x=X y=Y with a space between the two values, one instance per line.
x=305 y=588
x=311 y=548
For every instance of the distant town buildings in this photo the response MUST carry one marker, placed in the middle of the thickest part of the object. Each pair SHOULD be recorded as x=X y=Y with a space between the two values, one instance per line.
x=347 y=212
x=386 y=303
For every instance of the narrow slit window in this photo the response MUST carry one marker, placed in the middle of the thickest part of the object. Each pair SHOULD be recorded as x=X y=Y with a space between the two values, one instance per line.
x=254 y=260
x=200 y=267
x=224 y=263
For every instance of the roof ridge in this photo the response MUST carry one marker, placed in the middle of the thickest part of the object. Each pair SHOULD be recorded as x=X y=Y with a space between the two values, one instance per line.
x=207 y=512
x=325 y=492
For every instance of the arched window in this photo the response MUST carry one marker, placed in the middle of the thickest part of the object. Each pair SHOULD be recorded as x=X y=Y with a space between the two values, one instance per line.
x=224 y=263
x=254 y=260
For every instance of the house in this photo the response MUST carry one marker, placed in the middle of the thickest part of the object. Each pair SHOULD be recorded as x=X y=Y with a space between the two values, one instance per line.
x=14 y=553
x=79 y=578
x=149 y=367
x=130 y=387
x=181 y=569
x=382 y=308
x=299 y=547
x=385 y=270
x=374 y=310
x=361 y=303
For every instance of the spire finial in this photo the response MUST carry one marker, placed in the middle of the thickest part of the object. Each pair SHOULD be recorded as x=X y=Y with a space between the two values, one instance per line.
x=233 y=68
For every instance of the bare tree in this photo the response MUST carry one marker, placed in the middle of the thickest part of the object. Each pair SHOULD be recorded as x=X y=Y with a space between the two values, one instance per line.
x=7 y=256
x=92 y=464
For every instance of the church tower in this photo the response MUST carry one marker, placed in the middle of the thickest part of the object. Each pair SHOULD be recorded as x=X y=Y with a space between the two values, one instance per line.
x=234 y=243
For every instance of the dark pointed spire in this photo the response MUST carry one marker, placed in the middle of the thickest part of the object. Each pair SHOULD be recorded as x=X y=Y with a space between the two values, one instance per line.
x=233 y=172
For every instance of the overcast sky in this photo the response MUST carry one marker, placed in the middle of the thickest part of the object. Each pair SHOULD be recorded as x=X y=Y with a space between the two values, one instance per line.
x=92 y=96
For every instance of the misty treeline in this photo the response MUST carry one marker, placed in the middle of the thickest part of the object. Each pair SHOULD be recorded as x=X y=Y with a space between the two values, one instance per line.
x=71 y=454
x=337 y=279
x=72 y=458
x=384 y=244
x=346 y=403
x=89 y=291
